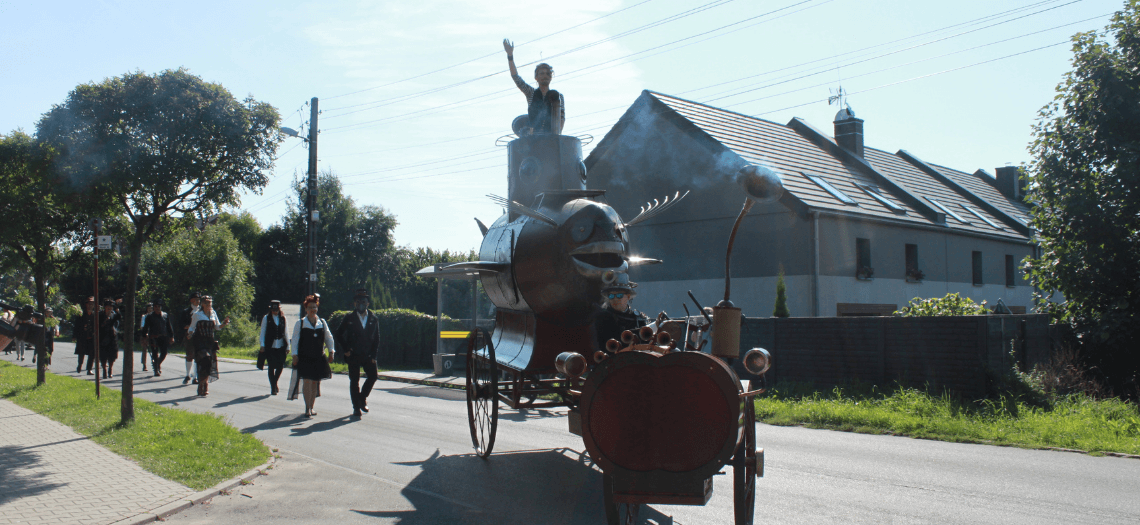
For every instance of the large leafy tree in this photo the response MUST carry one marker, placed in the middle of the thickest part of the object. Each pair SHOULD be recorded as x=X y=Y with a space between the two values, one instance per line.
x=42 y=227
x=165 y=146
x=1085 y=181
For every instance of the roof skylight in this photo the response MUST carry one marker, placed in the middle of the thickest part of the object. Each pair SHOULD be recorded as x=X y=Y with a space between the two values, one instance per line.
x=947 y=211
x=874 y=192
x=832 y=190
x=980 y=216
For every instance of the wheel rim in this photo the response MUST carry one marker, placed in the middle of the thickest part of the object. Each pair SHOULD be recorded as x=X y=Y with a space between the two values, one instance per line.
x=744 y=468
x=482 y=384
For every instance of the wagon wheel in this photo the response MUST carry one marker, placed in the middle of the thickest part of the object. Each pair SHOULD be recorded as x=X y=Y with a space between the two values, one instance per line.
x=618 y=513
x=744 y=467
x=482 y=385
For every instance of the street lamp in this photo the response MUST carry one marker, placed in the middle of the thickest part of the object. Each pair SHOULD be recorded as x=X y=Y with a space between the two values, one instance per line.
x=310 y=202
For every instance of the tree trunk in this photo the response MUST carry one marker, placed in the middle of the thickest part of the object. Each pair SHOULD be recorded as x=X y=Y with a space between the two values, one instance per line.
x=41 y=300
x=128 y=408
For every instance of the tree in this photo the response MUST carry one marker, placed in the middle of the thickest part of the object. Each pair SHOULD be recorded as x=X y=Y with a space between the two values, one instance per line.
x=781 y=309
x=163 y=145
x=41 y=226
x=209 y=261
x=1084 y=179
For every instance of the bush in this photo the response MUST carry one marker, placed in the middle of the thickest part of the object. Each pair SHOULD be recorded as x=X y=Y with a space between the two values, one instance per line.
x=240 y=332
x=952 y=304
x=407 y=337
x=781 y=309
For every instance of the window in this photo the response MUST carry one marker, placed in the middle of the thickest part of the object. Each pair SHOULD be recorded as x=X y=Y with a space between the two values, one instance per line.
x=1010 y=271
x=947 y=211
x=863 y=258
x=832 y=190
x=873 y=191
x=980 y=216
x=978 y=268
x=911 y=257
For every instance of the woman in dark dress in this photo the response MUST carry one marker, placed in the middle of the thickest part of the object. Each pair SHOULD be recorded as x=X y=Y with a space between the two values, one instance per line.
x=311 y=335
x=108 y=342
x=274 y=344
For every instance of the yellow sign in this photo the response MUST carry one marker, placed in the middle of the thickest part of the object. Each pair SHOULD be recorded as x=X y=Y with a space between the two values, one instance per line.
x=453 y=334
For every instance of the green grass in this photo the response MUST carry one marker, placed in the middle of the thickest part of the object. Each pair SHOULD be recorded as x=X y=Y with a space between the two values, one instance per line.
x=1071 y=422
x=196 y=450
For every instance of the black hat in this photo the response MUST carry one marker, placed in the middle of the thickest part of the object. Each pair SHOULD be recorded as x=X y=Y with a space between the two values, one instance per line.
x=90 y=299
x=108 y=302
x=361 y=293
x=158 y=302
x=195 y=295
x=274 y=302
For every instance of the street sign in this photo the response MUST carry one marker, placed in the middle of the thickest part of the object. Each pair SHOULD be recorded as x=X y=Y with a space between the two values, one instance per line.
x=104 y=242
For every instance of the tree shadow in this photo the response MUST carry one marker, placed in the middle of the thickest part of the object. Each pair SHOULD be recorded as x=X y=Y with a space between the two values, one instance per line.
x=413 y=390
x=525 y=414
x=17 y=481
x=548 y=486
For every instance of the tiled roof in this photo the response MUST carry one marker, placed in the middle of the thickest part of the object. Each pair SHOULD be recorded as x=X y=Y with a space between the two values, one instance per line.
x=795 y=157
x=974 y=183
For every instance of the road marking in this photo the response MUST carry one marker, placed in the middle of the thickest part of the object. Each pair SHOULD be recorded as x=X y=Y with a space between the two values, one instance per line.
x=390 y=482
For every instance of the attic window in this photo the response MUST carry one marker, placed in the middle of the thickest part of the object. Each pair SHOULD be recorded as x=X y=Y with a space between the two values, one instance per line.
x=832 y=190
x=873 y=191
x=980 y=216
x=947 y=211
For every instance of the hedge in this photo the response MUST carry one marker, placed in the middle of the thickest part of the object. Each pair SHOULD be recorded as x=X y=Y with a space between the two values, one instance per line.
x=407 y=337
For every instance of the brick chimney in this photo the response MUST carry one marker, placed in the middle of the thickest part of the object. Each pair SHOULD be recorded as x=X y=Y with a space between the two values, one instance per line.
x=1010 y=182
x=849 y=131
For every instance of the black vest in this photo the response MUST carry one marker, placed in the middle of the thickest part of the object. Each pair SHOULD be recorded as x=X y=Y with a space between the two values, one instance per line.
x=312 y=342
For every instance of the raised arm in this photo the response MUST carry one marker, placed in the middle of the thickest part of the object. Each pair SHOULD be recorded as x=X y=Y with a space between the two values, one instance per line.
x=519 y=82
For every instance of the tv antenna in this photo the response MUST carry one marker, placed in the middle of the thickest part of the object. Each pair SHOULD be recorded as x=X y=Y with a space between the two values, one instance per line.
x=838 y=97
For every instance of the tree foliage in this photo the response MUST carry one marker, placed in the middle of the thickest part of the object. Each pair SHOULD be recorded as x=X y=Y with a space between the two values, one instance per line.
x=165 y=145
x=952 y=304
x=1085 y=181
x=781 y=309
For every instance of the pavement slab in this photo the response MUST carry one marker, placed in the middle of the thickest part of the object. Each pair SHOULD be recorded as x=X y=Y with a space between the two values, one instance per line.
x=49 y=474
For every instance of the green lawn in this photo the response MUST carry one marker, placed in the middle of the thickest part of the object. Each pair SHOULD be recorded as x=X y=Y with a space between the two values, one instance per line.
x=196 y=450
x=1071 y=422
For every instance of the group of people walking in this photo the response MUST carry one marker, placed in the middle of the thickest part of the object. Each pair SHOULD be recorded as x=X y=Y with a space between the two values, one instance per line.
x=311 y=349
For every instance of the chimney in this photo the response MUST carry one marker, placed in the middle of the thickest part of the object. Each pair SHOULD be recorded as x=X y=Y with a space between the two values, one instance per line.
x=1010 y=182
x=849 y=131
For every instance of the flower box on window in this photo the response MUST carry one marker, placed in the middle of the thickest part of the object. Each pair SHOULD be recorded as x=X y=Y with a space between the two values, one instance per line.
x=865 y=273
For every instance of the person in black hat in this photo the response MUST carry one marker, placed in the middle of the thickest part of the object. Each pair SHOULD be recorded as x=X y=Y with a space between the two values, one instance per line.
x=84 y=334
x=140 y=333
x=184 y=335
x=274 y=344
x=204 y=342
x=616 y=316
x=158 y=333
x=358 y=337
x=108 y=342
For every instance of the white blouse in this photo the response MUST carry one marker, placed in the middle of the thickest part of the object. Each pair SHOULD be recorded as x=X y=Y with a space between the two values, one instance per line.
x=304 y=322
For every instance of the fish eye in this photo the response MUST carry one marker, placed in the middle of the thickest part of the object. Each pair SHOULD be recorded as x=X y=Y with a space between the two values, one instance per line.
x=582 y=229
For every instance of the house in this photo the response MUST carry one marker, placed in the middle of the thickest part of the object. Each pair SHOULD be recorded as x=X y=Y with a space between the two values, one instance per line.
x=858 y=231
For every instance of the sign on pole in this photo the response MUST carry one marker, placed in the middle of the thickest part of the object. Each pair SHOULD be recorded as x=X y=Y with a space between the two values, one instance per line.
x=105 y=242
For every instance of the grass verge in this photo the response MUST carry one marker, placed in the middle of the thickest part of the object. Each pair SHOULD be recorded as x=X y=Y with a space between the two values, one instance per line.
x=1071 y=422
x=196 y=450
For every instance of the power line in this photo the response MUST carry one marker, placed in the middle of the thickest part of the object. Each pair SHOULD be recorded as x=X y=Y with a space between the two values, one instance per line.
x=479 y=58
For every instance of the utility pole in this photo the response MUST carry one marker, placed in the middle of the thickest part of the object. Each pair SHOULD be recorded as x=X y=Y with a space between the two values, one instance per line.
x=314 y=215
x=96 y=224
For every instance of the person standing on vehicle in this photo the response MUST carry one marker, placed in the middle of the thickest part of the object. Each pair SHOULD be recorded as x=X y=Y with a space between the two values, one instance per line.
x=184 y=334
x=358 y=337
x=108 y=342
x=311 y=336
x=204 y=342
x=616 y=316
x=546 y=109
x=158 y=333
x=274 y=345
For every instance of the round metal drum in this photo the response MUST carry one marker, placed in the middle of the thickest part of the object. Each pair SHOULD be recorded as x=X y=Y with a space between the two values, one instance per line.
x=677 y=413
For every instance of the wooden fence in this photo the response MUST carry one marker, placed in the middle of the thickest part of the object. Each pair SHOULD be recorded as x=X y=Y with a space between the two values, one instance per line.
x=940 y=352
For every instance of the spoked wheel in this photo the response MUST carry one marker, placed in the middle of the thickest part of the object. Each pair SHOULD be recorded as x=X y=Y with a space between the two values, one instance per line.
x=744 y=467
x=482 y=385
x=618 y=513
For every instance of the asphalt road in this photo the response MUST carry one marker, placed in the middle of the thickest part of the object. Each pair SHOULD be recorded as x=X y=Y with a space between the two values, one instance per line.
x=409 y=462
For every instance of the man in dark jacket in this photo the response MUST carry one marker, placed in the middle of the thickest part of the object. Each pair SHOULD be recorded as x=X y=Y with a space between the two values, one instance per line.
x=183 y=335
x=84 y=334
x=159 y=333
x=359 y=337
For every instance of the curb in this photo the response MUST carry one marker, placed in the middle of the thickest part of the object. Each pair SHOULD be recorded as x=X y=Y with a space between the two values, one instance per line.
x=198 y=498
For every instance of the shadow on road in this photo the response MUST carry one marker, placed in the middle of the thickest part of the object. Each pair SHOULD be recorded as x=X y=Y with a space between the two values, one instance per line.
x=555 y=487
x=17 y=478
x=449 y=394
x=240 y=400
x=321 y=426
x=525 y=414
x=282 y=421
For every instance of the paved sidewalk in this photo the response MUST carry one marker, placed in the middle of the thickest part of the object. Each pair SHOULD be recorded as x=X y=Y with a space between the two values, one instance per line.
x=50 y=474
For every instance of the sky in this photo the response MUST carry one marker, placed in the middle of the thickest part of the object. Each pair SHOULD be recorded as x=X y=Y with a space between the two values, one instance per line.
x=416 y=101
